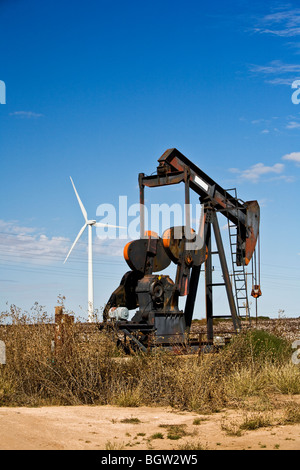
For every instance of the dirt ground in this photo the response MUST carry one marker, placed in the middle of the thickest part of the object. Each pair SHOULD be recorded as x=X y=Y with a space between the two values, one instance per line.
x=101 y=428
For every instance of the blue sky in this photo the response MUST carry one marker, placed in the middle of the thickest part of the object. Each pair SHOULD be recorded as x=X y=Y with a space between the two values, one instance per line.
x=98 y=90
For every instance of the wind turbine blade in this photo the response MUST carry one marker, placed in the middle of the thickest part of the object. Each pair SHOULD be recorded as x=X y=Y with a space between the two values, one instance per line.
x=100 y=224
x=80 y=202
x=76 y=240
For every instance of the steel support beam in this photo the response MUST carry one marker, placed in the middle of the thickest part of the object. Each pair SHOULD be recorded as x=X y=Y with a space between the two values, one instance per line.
x=142 y=205
x=208 y=287
x=226 y=277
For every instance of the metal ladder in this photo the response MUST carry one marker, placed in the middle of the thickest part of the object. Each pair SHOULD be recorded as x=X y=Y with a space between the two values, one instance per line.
x=239 y=274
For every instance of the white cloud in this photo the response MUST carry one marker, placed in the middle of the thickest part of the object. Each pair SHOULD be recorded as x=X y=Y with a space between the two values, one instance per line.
x=283 y=23
x=257 y=171
x=277 y=72
x=295 y=46
x=292 y=157
x=281 y=81
x=276 y=67
x=26 y=114
x=293 y=125
x=19 y=242
x=26 y=242
x=260 y=121
x=14 y=228
x=113 y=247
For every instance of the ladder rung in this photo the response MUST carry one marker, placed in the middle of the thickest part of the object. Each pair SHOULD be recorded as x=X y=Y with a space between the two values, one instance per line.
x=221 y=316
x=216 y=284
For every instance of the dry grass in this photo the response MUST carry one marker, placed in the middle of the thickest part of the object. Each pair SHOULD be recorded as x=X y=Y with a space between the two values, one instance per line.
x=287 y=328
x=91 y=370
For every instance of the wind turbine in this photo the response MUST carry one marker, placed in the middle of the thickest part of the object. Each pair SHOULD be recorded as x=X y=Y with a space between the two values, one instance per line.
x=90 y=224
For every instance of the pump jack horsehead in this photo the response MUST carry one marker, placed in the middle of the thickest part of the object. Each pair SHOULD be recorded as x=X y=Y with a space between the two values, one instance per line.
x=155 y=297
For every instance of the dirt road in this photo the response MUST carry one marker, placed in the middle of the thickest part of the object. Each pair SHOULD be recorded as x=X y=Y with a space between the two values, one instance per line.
x=112 y=428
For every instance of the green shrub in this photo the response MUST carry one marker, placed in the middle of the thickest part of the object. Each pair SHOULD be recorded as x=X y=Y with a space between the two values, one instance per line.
x=259 y=347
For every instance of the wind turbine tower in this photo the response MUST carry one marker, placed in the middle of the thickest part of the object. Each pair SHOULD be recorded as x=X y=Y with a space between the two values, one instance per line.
x=90 y=224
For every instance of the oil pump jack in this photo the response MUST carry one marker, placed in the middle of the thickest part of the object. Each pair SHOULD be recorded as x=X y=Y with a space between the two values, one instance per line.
x=155 y=297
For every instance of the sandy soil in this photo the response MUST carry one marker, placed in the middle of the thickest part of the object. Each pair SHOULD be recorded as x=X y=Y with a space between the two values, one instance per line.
x=101 y=428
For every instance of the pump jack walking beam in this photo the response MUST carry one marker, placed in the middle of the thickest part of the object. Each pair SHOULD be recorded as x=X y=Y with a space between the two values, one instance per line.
x=174 y=168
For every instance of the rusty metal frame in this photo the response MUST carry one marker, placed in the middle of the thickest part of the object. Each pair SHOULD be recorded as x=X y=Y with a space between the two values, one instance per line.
x=159 y=316
x=175 y=168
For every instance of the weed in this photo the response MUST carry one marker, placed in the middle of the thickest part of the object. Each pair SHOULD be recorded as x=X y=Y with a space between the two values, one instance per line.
x=292 y=413
x=175 y=431
x=284 y=378
x=131 y=421
x=255 y=421
x=231 y=428
x=191 y=446
x=245 y=382
x=113 y=446
x=198 y=421
x=157 y=435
